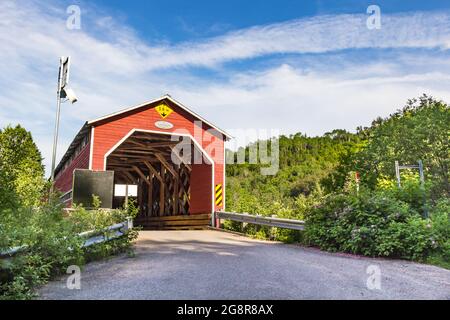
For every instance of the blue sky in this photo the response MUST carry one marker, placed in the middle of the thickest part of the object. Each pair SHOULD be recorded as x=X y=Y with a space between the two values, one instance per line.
x=184 y=20
x=294 y=66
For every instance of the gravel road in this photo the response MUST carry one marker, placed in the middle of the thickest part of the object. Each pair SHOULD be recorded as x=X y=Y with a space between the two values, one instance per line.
x=220 y=265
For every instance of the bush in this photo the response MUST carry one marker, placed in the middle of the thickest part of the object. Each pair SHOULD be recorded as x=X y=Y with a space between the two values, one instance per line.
x=377 y=224
x=52 y=243
x=440 y=220
x=411 y=239
x=411 y=191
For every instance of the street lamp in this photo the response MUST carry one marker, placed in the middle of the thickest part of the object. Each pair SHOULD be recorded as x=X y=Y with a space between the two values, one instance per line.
x=63 y=92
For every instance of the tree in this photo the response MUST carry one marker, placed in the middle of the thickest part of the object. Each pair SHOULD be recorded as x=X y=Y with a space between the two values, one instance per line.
x=21 y=170
x=419 y=131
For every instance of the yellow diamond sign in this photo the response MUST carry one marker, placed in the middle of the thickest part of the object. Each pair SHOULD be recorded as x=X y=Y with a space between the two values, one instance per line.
x=163 y=110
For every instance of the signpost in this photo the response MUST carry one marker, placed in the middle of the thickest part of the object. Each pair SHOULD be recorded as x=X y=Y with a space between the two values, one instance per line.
x=419 y=166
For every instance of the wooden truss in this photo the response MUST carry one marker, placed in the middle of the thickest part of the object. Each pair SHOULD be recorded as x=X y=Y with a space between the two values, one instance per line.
x=163 y=186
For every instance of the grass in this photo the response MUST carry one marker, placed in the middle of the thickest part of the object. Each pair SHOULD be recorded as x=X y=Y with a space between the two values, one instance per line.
x=439 y=261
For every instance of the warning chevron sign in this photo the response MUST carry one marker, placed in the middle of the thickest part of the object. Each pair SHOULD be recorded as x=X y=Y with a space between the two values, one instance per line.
x=219 y=195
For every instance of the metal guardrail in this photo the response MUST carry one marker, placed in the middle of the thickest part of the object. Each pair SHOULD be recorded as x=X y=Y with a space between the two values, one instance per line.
x=112 y=232
x=93 y=237
x=262 y=220
x=12 y=251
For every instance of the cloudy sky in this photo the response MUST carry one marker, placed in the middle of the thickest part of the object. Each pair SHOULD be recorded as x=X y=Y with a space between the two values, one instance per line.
x=296 y=66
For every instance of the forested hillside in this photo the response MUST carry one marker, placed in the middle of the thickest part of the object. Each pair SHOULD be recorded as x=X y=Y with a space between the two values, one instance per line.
x=317 y=181
x=304 y=164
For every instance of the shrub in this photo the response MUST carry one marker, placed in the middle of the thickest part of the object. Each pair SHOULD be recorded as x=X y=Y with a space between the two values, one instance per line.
x=440 y=221
x=53 y=244
x=375 y=224
x=411 y=190
x=411 y=239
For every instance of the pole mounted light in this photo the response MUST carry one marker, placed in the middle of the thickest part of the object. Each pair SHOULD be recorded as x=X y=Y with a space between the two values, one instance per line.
x=63 y=92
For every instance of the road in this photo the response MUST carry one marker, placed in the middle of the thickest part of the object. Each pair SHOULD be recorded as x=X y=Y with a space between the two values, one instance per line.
x=220 y=265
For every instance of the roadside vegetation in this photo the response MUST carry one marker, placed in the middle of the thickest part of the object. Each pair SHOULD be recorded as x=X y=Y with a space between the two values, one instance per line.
x=373 y=216
x=28 y=217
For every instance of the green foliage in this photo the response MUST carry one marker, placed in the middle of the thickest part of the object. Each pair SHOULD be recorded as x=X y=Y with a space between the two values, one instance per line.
x=131 y=209
x=376 y=223
x=21 y=169
x=304 y=162
x=26 y=271
x=96 y=202
x=53 y=244
x=98 y=220
x=411 y=190
x=440 y=219
x=49 y=236
x=419 y=131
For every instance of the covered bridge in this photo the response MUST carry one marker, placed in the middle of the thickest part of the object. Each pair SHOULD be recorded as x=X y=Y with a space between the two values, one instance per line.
x=167 y=157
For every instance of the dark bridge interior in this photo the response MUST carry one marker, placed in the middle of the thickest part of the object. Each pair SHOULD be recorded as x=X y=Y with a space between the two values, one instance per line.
x=163 y=185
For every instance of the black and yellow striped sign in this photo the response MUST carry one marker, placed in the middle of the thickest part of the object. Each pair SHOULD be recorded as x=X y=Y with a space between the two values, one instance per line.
x=219 y=194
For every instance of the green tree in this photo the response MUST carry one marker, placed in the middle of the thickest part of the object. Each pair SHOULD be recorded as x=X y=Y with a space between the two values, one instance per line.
x=419 y=131
x=22 y=173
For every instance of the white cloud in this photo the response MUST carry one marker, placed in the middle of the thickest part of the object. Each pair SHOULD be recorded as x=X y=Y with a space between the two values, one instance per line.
x=313 y=35
x=113 y=68
x=314 y=103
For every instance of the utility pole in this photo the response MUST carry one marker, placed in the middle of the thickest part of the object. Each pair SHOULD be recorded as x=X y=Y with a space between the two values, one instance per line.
x=62 y=92
x=56 y=131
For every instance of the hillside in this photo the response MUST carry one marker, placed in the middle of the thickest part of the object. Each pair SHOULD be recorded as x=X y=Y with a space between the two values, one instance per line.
x=304 y=162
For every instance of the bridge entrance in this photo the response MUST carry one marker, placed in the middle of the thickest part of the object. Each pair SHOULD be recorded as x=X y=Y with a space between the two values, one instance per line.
x=169 y=188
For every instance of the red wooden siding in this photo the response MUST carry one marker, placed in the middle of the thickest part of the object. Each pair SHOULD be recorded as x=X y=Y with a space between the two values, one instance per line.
x=201 y=189
x=63 y=182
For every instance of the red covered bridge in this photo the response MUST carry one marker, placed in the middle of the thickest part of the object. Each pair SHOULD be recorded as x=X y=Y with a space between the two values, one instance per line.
x=169 y=156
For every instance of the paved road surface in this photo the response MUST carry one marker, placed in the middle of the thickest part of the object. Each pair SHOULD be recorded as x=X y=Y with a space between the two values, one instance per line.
x=220 y=265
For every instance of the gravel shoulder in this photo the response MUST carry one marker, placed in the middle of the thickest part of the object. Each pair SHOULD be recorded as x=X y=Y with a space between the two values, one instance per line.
x=220 y=265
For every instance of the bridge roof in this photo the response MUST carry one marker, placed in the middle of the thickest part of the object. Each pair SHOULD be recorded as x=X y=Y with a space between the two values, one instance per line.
x=85 y=128
x=165 y=97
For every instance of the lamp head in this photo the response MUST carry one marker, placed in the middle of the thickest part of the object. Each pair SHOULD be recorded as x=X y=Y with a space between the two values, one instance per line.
x=70 y=94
